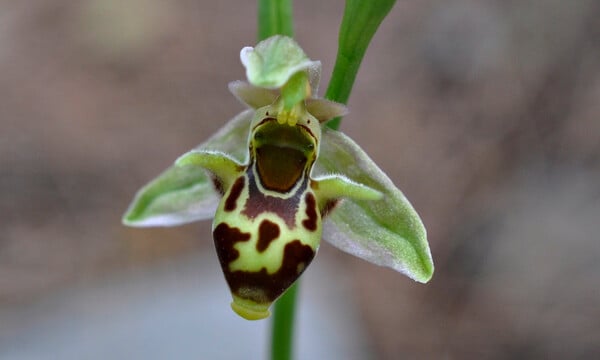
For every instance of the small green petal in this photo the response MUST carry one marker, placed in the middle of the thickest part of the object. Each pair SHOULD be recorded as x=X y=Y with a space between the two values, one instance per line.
x=324 y=109
x=273 y=61
x=387 y=232
x=335 y=187
x=184 y=194
x=220 y=164
x=252 y=96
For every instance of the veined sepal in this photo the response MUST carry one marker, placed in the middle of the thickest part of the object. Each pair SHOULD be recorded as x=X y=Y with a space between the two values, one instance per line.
x=183 y=194
x=272 y=62
x=386 y=231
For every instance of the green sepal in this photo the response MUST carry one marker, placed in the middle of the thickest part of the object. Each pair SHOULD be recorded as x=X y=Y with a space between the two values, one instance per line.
x=178 y=196
x=387 y=232
x=273 y=61
x=182 y=194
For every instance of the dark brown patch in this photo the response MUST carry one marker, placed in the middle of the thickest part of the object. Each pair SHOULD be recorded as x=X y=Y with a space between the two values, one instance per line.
x=225 y=237
x=218 y=185
x=311 y=212
x=262 y=122
x=267 y=232
x=329 y=207
x=259 y=203
x=236 y=191
x=268 y=287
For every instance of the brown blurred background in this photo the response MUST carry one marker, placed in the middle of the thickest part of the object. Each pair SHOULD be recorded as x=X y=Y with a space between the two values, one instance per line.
x=485 y=113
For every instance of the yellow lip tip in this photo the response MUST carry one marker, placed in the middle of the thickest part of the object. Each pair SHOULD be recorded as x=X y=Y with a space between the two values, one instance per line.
x=249 y=312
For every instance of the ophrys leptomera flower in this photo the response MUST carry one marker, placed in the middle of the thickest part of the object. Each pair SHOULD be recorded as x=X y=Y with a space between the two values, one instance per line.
x=276 y=180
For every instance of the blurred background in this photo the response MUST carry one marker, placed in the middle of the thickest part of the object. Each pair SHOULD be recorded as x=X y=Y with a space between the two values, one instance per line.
x=485 y=113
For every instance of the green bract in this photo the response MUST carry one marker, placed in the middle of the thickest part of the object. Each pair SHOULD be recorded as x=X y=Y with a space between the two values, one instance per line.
x=275 y=181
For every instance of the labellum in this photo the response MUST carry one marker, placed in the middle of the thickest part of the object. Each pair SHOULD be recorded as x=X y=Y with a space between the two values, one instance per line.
x=268 y=224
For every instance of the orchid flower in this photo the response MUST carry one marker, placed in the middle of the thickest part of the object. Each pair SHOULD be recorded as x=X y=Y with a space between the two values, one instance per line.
x=275 y=180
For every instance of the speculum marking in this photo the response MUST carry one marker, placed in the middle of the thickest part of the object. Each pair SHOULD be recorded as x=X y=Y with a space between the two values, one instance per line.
x=262 y=287
x=329 y=207
x=225 y=238
x=311 y=212
x=259 y=203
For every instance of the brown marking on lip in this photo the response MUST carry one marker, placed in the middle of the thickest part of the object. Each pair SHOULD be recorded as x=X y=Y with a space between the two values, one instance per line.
x=308 y=130
x=225 y=238
x=218 y=185
x=267 y=232
x=259 y=203
x=311 y=212
x=236 y=191
x=264 y=288
x=264 y=121
x=329 y=206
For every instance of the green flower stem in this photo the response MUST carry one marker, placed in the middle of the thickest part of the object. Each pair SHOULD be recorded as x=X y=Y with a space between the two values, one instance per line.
x=361 y=20
x=283 y=325
x=275 y=18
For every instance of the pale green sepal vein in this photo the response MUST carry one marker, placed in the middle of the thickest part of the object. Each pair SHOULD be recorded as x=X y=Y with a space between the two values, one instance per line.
x=183 y=194
x=387 y=232
x=178 y=196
